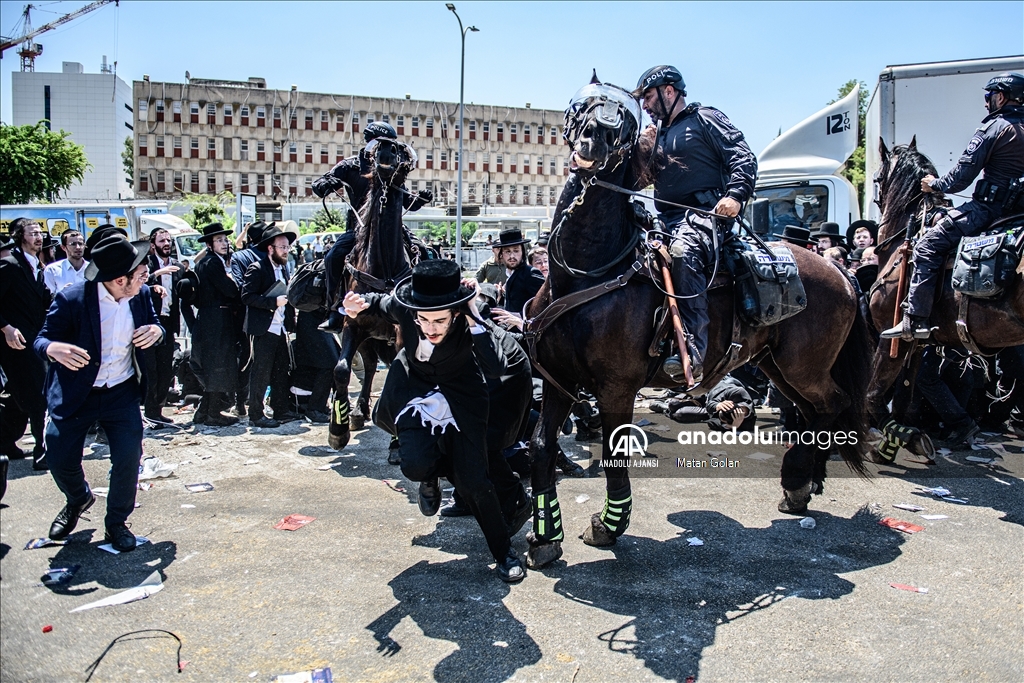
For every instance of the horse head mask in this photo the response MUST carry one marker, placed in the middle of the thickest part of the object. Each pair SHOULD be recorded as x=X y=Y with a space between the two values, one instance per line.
x=391 y=156
x=601 y=122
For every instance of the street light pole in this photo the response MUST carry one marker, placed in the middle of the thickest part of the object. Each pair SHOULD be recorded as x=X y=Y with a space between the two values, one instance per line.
x=462 y=134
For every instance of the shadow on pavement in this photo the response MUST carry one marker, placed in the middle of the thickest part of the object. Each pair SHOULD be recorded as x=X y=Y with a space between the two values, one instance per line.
x=119 y=572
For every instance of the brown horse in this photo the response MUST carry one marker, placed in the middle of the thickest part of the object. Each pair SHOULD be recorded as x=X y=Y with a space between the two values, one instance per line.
x=819 y=358
x=992 y=324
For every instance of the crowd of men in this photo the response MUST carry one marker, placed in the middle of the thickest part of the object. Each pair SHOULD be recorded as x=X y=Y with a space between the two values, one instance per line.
x=91 y=337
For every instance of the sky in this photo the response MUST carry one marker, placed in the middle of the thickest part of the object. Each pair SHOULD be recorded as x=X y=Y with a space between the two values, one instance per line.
x=767 y=65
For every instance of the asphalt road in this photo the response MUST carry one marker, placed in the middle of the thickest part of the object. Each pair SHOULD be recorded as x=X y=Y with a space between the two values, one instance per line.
x=377 y=592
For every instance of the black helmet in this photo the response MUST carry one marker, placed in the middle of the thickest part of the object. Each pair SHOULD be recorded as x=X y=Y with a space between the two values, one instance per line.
x=660 y=75
x=379 y=129
x=1010 y=84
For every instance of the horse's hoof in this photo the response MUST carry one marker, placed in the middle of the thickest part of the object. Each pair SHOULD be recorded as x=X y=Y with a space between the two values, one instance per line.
x=795 y=502
x=357 y=422
x=922 y=445
x=597 y=533
x=338 y=441
x=541 y=555
x=876 y=457
x=394 y=458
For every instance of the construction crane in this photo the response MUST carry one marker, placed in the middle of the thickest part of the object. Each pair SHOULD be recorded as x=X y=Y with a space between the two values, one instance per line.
x=29 y=50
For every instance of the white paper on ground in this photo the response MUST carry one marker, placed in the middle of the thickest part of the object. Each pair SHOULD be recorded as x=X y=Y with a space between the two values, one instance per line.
x=139 y=540
x=934 y=516
x=151 y=585
x=695 y=541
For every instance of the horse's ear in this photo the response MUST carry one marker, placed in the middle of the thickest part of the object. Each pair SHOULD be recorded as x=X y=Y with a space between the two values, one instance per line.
x=913 y=143
x=594 y=79
x=883 y=151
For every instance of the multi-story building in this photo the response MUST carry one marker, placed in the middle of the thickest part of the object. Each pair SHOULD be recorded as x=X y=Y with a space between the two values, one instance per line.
x=207 y=136
x=94 y=108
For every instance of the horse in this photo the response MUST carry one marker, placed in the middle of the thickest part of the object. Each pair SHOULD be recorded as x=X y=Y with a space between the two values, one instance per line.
x=378 y=261
x=819 y=358
x=990 y=323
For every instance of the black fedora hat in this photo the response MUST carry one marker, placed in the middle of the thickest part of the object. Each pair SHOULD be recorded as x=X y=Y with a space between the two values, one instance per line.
x=113 y=257
x=212 y=230
x=188 y=286
x=796 y=235
x=870 y=226
x=830 y=230
x=866 y=276
x=433 y=286
x=510 y=237
x=255 y=231
x=99 y=233
x=271 y=233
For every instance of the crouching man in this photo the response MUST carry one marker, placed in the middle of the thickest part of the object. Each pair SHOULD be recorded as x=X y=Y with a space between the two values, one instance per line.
x=437 y=402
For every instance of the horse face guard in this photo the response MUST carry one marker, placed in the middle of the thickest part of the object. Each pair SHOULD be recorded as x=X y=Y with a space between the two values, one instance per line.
x=391 y=155
x=602 y=121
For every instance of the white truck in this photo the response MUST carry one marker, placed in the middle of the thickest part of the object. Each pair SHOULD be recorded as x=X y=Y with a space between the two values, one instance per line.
x=941 y=103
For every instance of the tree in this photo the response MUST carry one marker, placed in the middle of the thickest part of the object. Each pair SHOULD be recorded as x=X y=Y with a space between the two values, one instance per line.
x=444 y=230
x=207 y=208
x=36 y=163
x=329 y=219
x=854 y=168
x=128 y=160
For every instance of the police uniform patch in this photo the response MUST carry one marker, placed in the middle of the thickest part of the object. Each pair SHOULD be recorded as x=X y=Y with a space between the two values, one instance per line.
x=975 y=143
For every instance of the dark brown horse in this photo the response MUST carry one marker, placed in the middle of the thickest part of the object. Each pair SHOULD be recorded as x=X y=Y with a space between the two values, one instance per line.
x=992 y=324
x=378 y=260
x=819 y=358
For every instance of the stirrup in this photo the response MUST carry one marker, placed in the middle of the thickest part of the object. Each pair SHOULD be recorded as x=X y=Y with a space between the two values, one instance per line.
x=907 y=330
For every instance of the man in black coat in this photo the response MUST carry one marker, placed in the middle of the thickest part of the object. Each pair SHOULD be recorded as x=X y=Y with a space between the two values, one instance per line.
x=240 y=262
x=24 y=299
x=523 y=280
x=164 y=274
x=436 y=400
x=215 y=337
x=268 y=319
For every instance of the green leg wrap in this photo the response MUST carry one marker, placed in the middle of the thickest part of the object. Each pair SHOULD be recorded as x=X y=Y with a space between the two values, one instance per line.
x=547 y=517
x=894 y=437
x=615 y=515
x=341 y=409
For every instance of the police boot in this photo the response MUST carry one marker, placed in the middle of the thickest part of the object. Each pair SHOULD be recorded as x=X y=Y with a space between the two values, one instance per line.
x=334 y=324
x=910 y=328
x=673 y=365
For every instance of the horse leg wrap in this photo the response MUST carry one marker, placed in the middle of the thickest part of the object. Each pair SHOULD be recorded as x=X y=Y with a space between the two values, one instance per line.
x=340 y=413
x=547 y=518
x=617 y=508
x=894 y=437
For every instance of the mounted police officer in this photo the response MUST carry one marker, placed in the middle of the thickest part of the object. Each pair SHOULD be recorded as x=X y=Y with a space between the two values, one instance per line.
x=708 y=166
x=997 y=148
x=353 y=174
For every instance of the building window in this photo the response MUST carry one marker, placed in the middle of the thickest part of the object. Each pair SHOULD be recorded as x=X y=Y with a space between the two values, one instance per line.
x=540 y=164
x=228 y=145
x=339 y=122
x=501 y=132
x=526 y=134
x=261 y=117
x=456 y=159
x=339 y=153
x=261 y=186
x=552 y=196
x=277 y=151
x=211 y=114
x=512 y=162
x=565 y=166
x=526 y=162
x=261 y=150
x=243 y=183
x=539 y=199
x=211 y=148
x=552 y=169
x=472 y=130
x=243 y=114
x=176 y=111
x=277 y=117
x=143 y=110
x=444 y=161
x=323 y=154
x=513 y=194
x=243 y=151
x=179 y=182
x=499 y=197
x=309 y=153
x=355 y=122
x=554 y=135
x=144 y=182
x=487 y=130
x=293 y=119
x=499 y=160
x=325 y=120
x=458 y=130
x=472 y=161
x=159 y=145
x=193 y=112
x=386 y=118
x=293 y=152
x=400 y=123
x=211 y=183
x=369 y=119
x=526 y=193
x=177 y=146
x=227 y=182
x=472 y=192
x=307 y=183
x=430 y=160
x=159 y=110
x=430 y=127
x=228 y=113
x=143 y=145
x=194 y=182
x=512 y=137
x=416 y=126
x=444 y=128
x=293 y=188
x=309 y=119
x=160 y=186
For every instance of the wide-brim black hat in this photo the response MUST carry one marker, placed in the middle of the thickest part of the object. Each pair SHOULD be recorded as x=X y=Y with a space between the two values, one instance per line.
x=829 y=229
x=510 y=237
x=796 y=235
x=188 y=286
x=255 y=231
x=212 y=230
x=871 y=227
x=272 y=233
x=113 y=257
x=99 y=233
x=433 y=286
x=866 y=276
x=6 y=243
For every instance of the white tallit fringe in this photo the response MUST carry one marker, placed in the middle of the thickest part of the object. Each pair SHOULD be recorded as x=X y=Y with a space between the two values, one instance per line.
x=433 y=411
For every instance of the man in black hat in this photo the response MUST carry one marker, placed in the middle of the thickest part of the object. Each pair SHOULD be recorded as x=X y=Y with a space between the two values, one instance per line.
x=215 y=337
x=24 y=299
x=796 y=235
x=268 y=318
x=99 y=233
x=457 y=378
x=828 y=236
x=862 y=234
x=523 y=281
x=91 y=337
x=164 y=274
x=240 y=262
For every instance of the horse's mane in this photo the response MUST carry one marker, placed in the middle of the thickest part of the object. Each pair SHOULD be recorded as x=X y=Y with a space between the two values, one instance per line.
x=646 y=162
x=900 y=187
x=369 y=216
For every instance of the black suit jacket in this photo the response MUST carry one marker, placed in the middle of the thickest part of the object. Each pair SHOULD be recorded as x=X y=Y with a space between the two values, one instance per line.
x=171 y=324
x=23 y=300
x=521 y=286
x=259 y=308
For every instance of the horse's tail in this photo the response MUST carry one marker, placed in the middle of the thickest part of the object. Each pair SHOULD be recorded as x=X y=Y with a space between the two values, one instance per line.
x=852 y=372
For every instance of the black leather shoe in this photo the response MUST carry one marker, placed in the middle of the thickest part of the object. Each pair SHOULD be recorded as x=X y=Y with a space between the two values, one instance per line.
x=455 y=508
x=567 y=466
x=263 y=423
x=334 y=324
x=286 y=416
x=430 y=497
x=220 y=420
x=317 y=417
x=511 y=570
x=13 y=452
x=67 y=519
x=121 y=538
x=39 y=463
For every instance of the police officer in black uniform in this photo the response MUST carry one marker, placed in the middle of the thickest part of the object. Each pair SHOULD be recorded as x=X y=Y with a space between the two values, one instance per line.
x=997 y=148
x=353 y=174
x=709 y=166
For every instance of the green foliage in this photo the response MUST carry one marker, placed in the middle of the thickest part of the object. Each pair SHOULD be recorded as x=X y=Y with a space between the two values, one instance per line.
x=36 y=163
x=128 y=160
x=441 y=231
x=207 y=208
x=854 y=168
x=331 y=219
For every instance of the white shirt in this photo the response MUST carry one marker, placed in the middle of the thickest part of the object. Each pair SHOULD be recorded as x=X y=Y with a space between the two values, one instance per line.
x=32 y=261
x=165 y=282
x=116 y=329
x=278 y=322
x=62 y=274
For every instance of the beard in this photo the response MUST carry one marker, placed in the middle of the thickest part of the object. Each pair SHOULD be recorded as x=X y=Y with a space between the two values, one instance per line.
x=164 y=251
x=279 y=259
